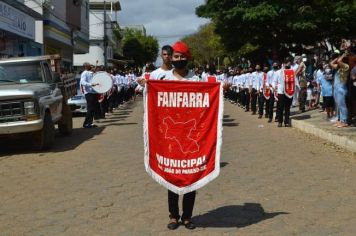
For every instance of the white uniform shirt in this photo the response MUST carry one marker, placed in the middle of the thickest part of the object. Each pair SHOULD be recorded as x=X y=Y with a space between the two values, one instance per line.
x=158 y=74
x=234 y=81
x=278 y=82
x=257 y=80
x=189 y=77
x=85 y=82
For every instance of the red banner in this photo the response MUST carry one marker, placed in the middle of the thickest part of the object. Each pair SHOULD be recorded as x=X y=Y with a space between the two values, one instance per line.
x=182 y=133
x=289 y=82
x=266 y=88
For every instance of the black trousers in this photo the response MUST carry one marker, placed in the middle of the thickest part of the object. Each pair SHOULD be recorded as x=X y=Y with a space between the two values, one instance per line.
x=243 y=97
x=254 y=100
x=92 y=106
x=270 y=106
x=188 y=204
x=261 y=104
x=284 y=104
x=247 y=99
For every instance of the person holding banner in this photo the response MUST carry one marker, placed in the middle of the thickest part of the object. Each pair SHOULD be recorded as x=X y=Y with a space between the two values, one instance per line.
x=264 y=95
x=180 y=57
x=182 y=134
x=285 y=85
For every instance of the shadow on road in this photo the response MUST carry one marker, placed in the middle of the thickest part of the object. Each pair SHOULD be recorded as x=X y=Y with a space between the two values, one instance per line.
x=234 y=216
x=223 y=164
x=22 y=145
x=229 y=122
x=119 y=124
x=301 y=117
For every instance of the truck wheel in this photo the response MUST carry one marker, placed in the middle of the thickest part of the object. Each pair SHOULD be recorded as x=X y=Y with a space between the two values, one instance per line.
x=65 y=125
x=44 y=138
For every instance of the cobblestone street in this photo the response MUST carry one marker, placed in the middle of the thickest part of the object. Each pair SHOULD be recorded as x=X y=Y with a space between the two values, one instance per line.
x=273 y=181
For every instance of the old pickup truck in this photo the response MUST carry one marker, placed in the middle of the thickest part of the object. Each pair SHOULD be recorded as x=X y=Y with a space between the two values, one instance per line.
x=33 y=98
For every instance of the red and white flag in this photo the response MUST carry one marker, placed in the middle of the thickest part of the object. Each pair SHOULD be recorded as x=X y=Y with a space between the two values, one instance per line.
x=183 y=133
x=289 y=82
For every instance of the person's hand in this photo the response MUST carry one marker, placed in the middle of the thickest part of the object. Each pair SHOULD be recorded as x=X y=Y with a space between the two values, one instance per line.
x=93 y=84
x=141 y=81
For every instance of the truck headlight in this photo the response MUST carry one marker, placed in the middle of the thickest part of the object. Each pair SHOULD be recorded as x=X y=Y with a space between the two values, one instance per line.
x=29 y=108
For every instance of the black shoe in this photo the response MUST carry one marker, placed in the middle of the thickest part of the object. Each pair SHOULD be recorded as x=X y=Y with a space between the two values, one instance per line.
x=173 y=225
x=189 y=225
x=260 y=117
x=266 y=116
x=269 y=120
x=279 y=124
x=90 y=126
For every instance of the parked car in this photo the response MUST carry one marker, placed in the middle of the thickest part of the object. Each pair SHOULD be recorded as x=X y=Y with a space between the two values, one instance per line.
x=77 y=103
x=33 y=98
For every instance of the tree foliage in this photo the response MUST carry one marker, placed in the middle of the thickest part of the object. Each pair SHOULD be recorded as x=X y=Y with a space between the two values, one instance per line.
x=205 y=45
x=269 y=26
x=139 y=47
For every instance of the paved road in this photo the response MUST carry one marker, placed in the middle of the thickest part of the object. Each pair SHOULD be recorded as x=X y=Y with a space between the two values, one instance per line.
x=274 y=181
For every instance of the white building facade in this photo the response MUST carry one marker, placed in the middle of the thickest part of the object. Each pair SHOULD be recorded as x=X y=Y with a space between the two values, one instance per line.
x=97 y=32
x=18 y=30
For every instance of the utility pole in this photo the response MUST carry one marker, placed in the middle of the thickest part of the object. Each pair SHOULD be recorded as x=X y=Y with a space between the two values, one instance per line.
x=105 y=39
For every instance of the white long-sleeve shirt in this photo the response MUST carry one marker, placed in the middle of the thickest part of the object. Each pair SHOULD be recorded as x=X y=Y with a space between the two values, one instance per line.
x=278 y=82
x=257 y=78
x=85 y=82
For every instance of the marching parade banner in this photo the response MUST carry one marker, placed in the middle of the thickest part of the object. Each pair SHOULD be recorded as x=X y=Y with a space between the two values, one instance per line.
x=183 y=133
x=289 y=82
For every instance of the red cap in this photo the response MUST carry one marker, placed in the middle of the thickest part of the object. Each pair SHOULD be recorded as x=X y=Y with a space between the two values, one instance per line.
x=181 y=47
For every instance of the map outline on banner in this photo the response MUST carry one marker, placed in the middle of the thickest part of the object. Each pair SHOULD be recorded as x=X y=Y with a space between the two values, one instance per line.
x=188 y=136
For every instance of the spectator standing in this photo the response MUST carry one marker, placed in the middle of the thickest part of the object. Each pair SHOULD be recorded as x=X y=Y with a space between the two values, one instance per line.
x=340 y=89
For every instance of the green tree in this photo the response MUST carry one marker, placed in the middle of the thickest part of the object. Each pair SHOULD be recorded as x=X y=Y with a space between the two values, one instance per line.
x=255 y=28
x=205 y=45
x=139 y=47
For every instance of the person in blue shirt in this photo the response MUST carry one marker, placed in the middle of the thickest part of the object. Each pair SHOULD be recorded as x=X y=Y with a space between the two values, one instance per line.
x=326 y=84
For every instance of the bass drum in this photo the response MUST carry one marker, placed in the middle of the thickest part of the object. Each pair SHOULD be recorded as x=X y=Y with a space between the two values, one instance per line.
x=103 y=82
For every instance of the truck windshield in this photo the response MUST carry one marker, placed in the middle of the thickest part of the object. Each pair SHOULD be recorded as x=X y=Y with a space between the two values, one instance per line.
x=24 y=72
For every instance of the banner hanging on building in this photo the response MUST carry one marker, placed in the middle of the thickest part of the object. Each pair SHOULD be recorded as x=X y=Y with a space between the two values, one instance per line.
x=183 y=133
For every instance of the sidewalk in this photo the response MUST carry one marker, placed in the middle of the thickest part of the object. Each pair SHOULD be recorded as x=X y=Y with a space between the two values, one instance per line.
x=315 y=122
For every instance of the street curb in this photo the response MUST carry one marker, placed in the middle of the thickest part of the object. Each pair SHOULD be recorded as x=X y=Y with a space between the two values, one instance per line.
x=341 y=141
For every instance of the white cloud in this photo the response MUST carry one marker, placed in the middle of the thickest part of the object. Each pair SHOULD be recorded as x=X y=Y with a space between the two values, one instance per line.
x=168 y=20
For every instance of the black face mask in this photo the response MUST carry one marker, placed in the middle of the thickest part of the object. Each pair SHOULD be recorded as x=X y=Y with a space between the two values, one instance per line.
x=180 y=64
x=275 y=67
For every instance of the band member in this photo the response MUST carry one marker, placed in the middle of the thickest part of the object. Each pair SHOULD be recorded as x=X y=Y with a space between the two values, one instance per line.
x=272 y=76
x=248 y=88
x=285 y=85
x=166 y=55
x=180 y=58
x=256 y=78
x=90 y=95
x=243 y=89
x=264 y=95
x=210 y=75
